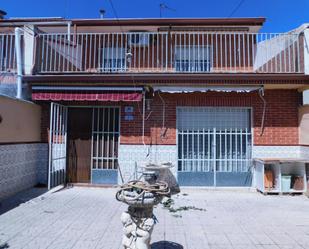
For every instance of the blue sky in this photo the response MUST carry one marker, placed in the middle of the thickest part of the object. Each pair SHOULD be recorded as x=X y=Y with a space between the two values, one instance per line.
x=282 y=15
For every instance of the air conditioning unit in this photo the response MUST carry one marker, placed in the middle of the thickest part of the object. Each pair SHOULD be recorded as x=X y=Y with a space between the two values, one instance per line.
x=306 y=97
x=139 y=39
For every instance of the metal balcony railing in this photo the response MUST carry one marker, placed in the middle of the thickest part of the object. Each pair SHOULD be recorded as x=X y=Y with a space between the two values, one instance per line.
x=175 y=52
x=7 y=53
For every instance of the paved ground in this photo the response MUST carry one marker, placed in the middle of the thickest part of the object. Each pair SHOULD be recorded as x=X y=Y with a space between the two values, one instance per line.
x=89 y=218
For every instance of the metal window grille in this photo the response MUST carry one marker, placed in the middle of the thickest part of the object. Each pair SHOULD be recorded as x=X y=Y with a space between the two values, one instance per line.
x=214 y=139
x=105 y=137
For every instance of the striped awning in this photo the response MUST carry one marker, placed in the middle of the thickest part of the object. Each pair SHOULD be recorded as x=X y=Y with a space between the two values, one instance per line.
x=84 y=93
x=88 y=96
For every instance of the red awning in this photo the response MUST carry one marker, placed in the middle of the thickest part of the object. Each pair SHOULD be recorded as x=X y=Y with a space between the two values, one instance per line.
x=73 y=96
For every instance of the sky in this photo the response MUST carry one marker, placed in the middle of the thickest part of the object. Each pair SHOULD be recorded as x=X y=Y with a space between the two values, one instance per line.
x=281 y=15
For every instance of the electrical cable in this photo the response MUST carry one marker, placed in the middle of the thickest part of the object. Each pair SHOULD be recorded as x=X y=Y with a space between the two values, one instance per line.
x=142 y=113
x=236 y=8
x=122 y=31
x=261 y=95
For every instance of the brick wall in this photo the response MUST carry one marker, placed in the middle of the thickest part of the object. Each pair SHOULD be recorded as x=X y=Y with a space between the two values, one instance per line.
x=281 y=120
x=45 y=119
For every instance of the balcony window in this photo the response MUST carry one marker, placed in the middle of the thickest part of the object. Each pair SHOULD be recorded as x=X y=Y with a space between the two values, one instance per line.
x=139 y=39
x=113 y=59
x=7 y=52
x=193 y=59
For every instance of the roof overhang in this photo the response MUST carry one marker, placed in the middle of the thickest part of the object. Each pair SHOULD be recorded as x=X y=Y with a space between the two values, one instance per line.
x=250 y=21
x=256 y=21
x=169 y=79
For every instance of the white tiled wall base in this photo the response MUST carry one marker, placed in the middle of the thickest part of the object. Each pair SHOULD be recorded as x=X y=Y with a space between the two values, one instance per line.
x=304 y=152
x=131 y=156
x=22 y=166
x=277 y=152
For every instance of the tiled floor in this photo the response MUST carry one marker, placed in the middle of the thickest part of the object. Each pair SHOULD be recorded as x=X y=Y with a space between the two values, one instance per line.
x=89 y=218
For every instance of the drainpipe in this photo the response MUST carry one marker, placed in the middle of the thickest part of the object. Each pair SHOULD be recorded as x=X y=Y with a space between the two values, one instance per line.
x=19 y=62
x=69 y=31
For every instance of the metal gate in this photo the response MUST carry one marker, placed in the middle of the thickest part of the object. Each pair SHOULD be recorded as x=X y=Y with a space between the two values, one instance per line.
x=104 y=148
x=57 y=145
x=214 y=146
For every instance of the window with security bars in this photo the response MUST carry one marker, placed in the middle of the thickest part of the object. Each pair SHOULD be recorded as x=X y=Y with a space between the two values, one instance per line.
x=105 y=137
x=113 y=59
x=214 y=139
x=193 y=58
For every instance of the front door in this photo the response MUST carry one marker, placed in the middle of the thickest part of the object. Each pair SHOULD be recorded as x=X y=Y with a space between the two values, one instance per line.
x=105 y=139
x=79 y=145
x=93 y=136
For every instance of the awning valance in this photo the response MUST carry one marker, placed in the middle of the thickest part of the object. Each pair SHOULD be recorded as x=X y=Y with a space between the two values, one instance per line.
x=73 y=96
x=185 y=89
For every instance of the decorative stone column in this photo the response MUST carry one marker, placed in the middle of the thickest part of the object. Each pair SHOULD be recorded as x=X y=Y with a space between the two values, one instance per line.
x=141 y=196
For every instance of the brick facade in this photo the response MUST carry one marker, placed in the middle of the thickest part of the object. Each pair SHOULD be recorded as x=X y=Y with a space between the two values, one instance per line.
x=281 y=119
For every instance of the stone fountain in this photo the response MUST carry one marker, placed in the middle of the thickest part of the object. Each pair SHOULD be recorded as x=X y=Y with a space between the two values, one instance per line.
x=141 y=196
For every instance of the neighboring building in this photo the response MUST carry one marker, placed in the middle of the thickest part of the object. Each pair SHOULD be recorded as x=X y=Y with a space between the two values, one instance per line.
x=23 y=158
x=207 y=95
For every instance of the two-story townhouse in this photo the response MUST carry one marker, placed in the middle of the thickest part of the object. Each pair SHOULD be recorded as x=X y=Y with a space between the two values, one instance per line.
x=207 y=95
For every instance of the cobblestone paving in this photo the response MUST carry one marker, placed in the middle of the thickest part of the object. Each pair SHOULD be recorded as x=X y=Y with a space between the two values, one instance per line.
x=89 y=218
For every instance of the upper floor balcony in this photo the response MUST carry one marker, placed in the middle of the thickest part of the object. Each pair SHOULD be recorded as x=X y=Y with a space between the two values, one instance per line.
x=169 y=52
x=159 y=52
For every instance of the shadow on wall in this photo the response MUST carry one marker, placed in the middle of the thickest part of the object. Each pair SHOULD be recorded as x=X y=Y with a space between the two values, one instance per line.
x=166 y=245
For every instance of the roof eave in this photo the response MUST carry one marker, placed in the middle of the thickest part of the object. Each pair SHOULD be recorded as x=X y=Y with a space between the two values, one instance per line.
x=252 y=21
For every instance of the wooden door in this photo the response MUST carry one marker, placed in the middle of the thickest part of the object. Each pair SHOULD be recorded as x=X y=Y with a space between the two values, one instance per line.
x=79 y=144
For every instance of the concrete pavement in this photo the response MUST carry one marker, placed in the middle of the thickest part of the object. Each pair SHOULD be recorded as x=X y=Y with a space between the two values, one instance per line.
x=89 y=218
